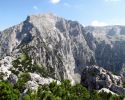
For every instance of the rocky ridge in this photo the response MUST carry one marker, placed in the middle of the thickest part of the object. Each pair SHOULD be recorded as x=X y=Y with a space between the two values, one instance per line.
x=95 y=77
x=32 y=84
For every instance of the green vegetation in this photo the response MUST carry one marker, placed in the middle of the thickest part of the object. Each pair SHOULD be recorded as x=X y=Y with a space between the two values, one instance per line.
x=20 y=85
x=7 y=92
x=109 y=96
x=64 y=91
x=25 y=64
x=26 y=97
x=123 y=85
x=53 y=91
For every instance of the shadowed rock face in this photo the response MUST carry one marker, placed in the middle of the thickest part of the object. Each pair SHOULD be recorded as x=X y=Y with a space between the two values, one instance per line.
x=108 y=44
x=95 y=77
x=65 y=46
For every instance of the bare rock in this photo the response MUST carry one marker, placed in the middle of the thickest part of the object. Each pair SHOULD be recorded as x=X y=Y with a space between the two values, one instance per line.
x=107 y=91
x=5 y=65
x=117 y=89
x=95 y=77
x=37 y=80
x=32 y=85
x=13 y=79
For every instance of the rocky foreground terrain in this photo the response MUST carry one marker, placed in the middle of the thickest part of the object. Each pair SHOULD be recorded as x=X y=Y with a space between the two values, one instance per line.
x=66 y=50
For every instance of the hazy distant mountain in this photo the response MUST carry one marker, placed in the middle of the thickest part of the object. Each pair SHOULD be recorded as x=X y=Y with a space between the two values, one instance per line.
x=108 y=45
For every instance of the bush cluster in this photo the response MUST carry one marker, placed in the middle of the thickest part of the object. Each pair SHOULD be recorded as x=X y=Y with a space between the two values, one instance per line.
x=53 y=91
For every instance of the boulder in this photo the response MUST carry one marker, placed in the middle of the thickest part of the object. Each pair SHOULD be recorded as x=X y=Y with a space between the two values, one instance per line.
x=117 y=89
x=13 y=79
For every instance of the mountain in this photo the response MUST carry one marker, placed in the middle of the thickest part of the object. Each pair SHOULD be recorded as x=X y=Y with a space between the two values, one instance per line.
x=57 y=43
x=63 y=47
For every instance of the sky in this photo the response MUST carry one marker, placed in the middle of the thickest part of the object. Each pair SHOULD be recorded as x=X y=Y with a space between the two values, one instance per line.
x=87 y=12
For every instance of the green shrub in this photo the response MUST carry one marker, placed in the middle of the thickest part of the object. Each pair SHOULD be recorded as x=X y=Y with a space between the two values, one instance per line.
x=24 y=64
x=95 y=96
x=7 y=92
x=53 y=91
x=109 y=96
x=26 y=97
x=21 y=82
x=64 y=91
x=123 y=85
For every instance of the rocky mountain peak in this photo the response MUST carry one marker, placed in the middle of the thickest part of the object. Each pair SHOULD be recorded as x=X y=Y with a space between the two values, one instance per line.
x=39 y=16
x=66 y=46
x=42 y=18
x=57 y=44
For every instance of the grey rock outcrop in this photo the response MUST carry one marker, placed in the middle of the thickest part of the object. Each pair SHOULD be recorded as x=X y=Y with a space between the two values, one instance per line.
x=5 y=65
x=95 y=77
x=117 y=89
x=37 y=80
x=13 y=79
x=41 y=80
x=107 y=91
x=31 y=85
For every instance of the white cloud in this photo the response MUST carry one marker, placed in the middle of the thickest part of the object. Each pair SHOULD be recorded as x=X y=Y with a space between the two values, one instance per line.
x=55 y=1
x=98 y=23
x=112 y=0
x=35 y=7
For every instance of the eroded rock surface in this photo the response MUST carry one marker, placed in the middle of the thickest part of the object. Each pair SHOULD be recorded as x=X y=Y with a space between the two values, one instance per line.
x=56 y=43
x=95 y=77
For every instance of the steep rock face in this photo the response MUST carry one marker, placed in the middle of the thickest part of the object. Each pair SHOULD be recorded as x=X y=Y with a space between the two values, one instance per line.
x=95 y=77
x=56 y=43
x=108 y=45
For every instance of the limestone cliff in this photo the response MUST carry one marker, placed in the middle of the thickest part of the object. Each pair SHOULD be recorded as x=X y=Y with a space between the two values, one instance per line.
x=65 y=47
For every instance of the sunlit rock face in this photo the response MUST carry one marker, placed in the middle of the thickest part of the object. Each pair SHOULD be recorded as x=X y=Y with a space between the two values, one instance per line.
x=65 y=47
x=5 y=65
x=56 y=43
